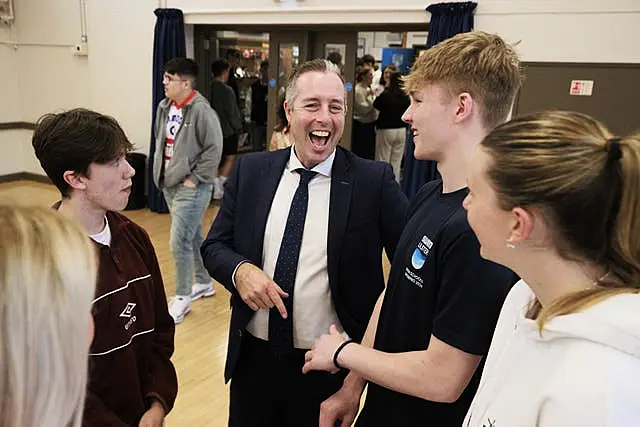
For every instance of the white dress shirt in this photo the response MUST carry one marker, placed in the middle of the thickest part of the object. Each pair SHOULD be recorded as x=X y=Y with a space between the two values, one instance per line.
x=313 y=310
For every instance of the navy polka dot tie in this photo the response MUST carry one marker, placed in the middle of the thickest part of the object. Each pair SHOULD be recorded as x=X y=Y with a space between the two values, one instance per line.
x=281 y=330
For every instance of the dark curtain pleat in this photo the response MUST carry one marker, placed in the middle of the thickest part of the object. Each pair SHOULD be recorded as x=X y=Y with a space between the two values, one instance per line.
x=447 y=20
x=168 y=42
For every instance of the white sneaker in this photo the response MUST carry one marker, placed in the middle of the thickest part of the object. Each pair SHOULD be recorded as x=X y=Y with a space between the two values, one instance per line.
x=179 y=308
x=218 y=193
x=200 y=290
x=218 y=188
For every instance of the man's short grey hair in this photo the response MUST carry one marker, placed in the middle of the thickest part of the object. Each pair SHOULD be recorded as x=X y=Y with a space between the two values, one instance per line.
x=314 y=65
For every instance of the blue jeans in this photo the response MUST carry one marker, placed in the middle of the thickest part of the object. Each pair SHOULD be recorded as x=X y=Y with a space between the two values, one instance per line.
x=187 y=205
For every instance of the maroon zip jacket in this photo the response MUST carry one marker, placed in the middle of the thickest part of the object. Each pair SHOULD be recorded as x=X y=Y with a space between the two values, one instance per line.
x=129 y=360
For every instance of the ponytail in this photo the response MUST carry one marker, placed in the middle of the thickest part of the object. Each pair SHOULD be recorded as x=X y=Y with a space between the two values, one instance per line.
x=621 y=257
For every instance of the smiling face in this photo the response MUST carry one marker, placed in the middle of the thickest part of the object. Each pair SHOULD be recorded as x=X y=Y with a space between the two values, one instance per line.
x=491 y=224
x=387 y=74
x=431 y=116
x=316 y=116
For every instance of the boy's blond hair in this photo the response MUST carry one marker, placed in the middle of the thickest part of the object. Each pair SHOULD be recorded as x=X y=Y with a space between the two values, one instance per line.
x=479 y=63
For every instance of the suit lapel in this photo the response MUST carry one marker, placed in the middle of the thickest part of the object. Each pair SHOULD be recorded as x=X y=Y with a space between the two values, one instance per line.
x=339 y=206
x=269 y=178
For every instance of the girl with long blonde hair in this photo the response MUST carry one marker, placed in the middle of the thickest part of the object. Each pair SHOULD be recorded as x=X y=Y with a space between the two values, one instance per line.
x=47 y=282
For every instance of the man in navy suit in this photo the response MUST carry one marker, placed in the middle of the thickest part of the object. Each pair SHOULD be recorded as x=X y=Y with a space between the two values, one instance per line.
x=309 y=221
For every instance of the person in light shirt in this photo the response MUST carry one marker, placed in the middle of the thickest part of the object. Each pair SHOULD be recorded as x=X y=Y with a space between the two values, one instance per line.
x=555 y=196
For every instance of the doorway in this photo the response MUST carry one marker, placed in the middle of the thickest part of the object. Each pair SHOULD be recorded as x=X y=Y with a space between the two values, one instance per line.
x=287 y=46
x=288 y=49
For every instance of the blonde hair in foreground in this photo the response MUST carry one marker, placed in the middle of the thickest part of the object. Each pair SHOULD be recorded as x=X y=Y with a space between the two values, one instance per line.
x=587 y=183
x=476 y=62
x=47 y=282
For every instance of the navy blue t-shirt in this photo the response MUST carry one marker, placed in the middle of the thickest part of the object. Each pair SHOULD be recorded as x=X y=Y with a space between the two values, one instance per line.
x=438 y=285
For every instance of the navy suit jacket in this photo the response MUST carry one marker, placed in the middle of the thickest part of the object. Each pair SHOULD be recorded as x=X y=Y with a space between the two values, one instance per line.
x=366 y=214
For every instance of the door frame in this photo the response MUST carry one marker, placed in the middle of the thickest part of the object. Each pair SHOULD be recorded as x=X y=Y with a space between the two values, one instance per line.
x=349 y=38
x=277 y=38
x=309 y=38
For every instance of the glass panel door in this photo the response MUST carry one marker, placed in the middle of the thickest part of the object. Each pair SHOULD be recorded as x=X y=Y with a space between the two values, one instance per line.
x=287 y=50
x=344 y=43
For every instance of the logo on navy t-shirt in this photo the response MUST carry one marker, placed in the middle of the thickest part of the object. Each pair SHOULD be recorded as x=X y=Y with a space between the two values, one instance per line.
x=418 y=259
x=419 y=256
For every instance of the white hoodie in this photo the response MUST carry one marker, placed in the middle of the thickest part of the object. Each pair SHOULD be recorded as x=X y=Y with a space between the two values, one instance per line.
x=583 y=372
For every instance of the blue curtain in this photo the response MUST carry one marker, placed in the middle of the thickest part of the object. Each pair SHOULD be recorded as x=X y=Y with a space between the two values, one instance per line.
x=447 y=20
x=168 y=42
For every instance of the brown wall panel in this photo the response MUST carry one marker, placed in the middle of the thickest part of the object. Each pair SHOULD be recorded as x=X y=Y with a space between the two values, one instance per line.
x=615 y=99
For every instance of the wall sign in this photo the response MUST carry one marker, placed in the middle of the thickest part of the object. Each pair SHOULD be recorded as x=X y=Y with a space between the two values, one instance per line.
x=581 y=88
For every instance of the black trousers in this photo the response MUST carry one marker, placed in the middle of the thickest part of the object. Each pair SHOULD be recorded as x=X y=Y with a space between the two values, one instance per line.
x=363 y=142
x=266 y=392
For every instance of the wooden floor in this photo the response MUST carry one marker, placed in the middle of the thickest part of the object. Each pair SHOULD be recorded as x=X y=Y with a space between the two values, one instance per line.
x=200 y=340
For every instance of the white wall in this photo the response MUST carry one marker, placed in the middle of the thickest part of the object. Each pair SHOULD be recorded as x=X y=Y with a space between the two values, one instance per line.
x=10 y=105
x=50 y=78
x=120 y=63
x=14 y=143
x=549 y=30
x=46 y=77
x=30 y=162
x=42 y=75
x=597 y=37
